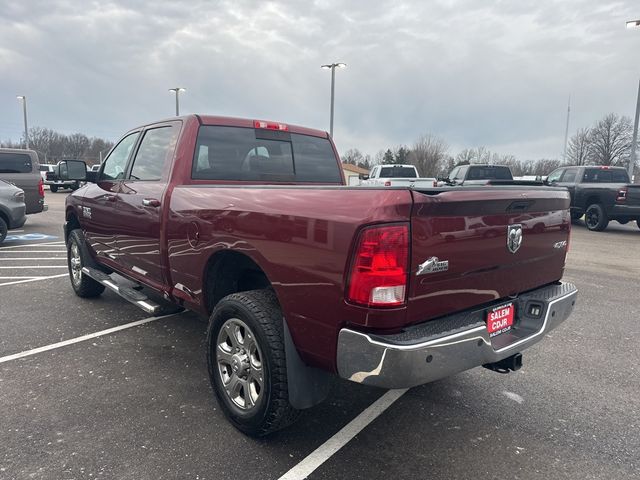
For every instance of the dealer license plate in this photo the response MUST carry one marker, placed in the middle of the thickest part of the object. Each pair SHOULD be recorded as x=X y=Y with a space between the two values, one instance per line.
x=500 y=319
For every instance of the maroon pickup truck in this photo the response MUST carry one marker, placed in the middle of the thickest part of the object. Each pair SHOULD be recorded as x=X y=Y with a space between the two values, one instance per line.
x=249 y=223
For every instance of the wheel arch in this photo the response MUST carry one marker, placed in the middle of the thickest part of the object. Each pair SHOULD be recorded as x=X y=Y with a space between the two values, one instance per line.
x=591 y=199
x=72 y=220
x=228 y=272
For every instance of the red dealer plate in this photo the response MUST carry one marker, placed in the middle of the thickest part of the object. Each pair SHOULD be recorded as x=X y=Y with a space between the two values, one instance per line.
x=500 y=319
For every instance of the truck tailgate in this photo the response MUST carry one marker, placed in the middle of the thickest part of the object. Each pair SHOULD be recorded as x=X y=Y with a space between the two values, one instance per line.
x=470 y=230
x=633 y=195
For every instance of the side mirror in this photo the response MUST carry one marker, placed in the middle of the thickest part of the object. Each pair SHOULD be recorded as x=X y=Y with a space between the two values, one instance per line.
x=71 y=170
x=364 y=176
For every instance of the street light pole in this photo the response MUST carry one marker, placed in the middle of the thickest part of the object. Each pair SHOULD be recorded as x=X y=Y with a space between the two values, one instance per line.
x=634 y=142
x=177 y=91
x=24 y=112
x=566 y=131
x=333 y=67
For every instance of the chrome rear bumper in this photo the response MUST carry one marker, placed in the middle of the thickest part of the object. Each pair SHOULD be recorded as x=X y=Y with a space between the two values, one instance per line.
x=440 y=348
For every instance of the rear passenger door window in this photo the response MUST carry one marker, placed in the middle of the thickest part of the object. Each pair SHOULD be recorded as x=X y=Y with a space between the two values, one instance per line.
x=569 y=175
x=156 y=148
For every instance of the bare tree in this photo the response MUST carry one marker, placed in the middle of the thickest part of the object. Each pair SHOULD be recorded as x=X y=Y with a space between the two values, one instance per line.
x=481 y=155
x=76 y=145
x=428 y=154
x=578 y=149
x=610 y=141
x=465 y=157
x=545 y=166
x=352 y=156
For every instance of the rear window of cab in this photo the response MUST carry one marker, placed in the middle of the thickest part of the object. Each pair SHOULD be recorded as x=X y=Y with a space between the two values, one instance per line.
x=239 y=153
x=15 y=163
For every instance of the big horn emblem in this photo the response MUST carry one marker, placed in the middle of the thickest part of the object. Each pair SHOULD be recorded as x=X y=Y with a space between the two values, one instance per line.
x=514 y=237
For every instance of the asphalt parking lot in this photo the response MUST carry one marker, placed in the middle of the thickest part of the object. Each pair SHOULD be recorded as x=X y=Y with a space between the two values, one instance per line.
x=136 y=403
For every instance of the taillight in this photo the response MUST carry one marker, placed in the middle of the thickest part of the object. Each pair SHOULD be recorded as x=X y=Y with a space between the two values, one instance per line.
x=387 y=183
x=622 y=195
x=378 y=274
x=41 y=188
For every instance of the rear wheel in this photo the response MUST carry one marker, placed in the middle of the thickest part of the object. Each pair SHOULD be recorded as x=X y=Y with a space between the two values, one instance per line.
x=596 y=218
x=77 y=257
x=53 y=188
x=246 y=361
x=3 y=229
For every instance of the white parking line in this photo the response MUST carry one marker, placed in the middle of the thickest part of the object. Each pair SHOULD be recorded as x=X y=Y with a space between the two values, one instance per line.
x=37 y=258
x=47 y=244
x=34 y=266
x=71 y=341
x=31 y=279
x=325 y=451
x=34 y=251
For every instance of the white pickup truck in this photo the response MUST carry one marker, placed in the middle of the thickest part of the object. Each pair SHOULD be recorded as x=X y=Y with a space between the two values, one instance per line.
x=397 y=176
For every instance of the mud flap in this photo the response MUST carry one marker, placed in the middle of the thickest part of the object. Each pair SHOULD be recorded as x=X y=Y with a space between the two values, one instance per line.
x=308 y=386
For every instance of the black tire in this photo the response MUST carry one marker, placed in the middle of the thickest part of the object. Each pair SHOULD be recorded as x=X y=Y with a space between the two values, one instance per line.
x=638 y=222
x=53 y=188
x=259 y=311
x=3 y=229
x=84 y=286
x=74 y=186
x=595 y=218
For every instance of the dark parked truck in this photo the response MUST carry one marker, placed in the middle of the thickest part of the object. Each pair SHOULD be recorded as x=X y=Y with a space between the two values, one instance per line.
x=600 y=193
x=303 y=278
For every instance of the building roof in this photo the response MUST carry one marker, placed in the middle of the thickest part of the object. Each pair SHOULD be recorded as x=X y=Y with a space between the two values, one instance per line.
x=354 y=168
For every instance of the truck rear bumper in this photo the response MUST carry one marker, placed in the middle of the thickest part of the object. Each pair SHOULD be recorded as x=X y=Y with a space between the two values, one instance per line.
x=625 y=211
x=440 y=348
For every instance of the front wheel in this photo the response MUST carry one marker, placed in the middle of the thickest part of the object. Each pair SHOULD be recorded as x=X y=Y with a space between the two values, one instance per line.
x=595 y=218
x=53 y=188
x=77 y=257
x=246 y=360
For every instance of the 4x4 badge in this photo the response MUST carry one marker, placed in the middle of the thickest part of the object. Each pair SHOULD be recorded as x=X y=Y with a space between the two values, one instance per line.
x=514 y=237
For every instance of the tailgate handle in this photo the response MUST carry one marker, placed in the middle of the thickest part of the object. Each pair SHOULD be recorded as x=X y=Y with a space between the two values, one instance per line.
x=520 y=206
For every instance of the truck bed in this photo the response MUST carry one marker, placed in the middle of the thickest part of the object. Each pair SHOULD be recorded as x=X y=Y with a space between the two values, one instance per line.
x=303 y=237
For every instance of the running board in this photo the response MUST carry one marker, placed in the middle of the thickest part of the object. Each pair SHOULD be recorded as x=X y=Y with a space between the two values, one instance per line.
x=130 y=294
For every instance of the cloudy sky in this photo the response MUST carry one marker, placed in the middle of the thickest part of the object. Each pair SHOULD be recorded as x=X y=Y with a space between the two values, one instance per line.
x=492 y=73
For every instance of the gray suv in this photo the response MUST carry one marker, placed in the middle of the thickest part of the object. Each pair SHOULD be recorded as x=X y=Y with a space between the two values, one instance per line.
x=21 y=168
x=12 y=208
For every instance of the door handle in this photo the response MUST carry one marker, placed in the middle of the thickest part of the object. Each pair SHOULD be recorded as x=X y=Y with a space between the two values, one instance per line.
x=110 y=198
x=150 y=202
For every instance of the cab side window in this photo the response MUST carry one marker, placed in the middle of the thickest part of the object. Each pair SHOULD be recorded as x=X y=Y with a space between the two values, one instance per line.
x=569 y=175
x=155 y=149
x=116 y=162
x=555 y=175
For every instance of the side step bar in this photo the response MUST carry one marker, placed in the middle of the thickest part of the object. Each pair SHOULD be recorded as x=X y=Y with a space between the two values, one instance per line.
x=130 y=294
